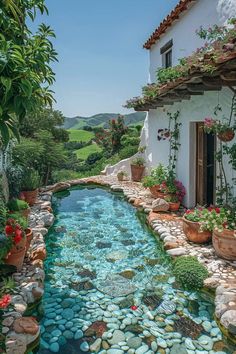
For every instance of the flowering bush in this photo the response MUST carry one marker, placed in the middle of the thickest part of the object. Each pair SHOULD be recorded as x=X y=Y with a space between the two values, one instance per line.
x=173 y=187
x=212 y=218
x=5 y=301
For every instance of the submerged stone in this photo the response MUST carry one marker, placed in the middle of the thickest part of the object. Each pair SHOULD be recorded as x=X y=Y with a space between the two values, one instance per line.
x=96 y=329
x=128 y=274
x=152 y=301
x=102 y=245
x=115 y=286
x=188 y=328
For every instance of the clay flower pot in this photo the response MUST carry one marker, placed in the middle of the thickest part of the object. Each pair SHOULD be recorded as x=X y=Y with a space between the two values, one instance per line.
x=29 y=236
x=193 y=233
x=25 y=212
x=16 y=258
x=227 y=135
x=224 y=244
x=155 y=190
x=137 y=172
x=30 y=196
x=174 y=206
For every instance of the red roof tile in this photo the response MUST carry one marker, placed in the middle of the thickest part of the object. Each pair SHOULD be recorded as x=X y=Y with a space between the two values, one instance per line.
x=182 y=6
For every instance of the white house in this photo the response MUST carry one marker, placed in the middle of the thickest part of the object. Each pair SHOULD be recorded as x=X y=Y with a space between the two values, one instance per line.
x=174 y=39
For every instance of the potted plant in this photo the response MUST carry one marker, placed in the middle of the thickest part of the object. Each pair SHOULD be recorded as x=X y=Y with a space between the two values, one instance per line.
x=137 y=168
x=30 y=185
x=199 y=223
x=19 y=206
x=173 y=201
x=23 y=222
x=224 y=235
x=121 y=175
x=17 y=238
x=153 y=182
x=223 y=130
x=172 y=188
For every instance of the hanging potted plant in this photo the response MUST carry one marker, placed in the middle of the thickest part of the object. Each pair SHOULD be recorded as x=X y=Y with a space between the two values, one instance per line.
x=195 y=225
x=121 y=175
x=17 y=236
x=137 y=168
x=224 y=235
x=223 y=130
x=19 y=206
x=30 y=185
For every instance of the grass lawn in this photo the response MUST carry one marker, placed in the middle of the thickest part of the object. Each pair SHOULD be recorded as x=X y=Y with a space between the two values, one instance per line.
x=86 y=151
x=80 y=135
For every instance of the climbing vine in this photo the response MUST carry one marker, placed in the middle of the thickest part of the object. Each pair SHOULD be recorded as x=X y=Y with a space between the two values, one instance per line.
x=174 y=129
x=224 y=191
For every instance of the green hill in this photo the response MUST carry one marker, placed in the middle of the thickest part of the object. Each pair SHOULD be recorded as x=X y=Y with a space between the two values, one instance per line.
x=80 y=135
x=102 y=120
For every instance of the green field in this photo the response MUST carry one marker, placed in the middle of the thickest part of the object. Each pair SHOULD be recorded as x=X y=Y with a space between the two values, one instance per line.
x=80 y=135
x=86 y=151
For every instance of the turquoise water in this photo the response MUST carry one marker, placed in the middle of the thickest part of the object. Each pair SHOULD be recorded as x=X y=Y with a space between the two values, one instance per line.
x=107 y=277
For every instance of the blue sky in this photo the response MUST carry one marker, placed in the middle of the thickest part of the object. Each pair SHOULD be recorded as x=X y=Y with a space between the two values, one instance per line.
x=101 y=59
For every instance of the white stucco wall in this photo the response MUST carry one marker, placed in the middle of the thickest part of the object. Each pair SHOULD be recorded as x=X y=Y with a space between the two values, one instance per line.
x=183 y=31
x=194 y=110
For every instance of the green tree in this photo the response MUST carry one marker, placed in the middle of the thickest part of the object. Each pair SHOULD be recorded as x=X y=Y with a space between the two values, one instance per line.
x=44 y=119
x=25 y=72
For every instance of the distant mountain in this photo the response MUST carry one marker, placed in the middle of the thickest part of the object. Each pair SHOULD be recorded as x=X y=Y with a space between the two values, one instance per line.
x=102 y=120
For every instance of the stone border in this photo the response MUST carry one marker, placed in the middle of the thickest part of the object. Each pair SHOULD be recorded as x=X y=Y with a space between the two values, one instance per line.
x=167 y=228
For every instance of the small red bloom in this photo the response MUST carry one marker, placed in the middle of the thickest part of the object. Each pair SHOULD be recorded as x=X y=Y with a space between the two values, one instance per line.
x=134 y=308
x=188 y=211
x=5 y=301
x=9 y=230
x=217 y=210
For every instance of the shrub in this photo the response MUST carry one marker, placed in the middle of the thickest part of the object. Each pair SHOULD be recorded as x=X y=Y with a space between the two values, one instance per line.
x=14 y=176
x=128 y=151
x=64 y=175
x=31 y=180
x=93 y=158
x=17 y=205
x=189 y=272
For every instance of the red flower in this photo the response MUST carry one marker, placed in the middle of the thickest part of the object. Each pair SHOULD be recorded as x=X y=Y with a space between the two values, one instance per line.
x=217 y=210
x=188 y=211
x=134 y=308
x=9 y=230
x=18 y=236
x=5 y=301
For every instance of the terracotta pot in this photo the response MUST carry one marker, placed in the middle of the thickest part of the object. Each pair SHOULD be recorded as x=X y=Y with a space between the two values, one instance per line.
x=25 y=212
x=193 y=233
x=29 y=236
x=174 y=206
x=30 y=196
x=19 y=246
x=227 y=135
x=155 y=190
x=224 y=244
x=16 y=258
x=120 y=178
x=137 y=172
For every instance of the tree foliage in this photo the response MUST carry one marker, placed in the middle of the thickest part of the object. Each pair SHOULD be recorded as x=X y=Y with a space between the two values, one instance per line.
x=25 y=57
x=44 y=119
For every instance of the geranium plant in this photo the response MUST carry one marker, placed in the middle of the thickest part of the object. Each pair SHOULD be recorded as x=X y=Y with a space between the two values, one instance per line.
x=15 y=232
x=216 y=126
x=212 y=218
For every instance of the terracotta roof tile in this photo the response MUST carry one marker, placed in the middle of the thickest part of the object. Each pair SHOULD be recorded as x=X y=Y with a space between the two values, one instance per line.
x=182 y=6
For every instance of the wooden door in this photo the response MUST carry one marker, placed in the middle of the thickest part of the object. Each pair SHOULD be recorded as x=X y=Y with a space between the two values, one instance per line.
x=201 y=170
